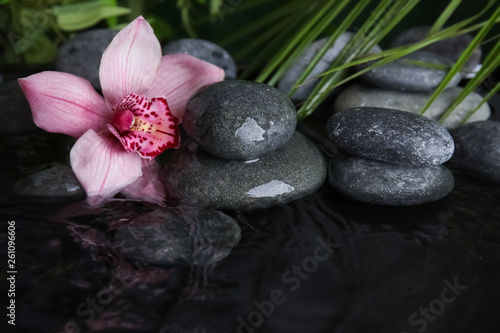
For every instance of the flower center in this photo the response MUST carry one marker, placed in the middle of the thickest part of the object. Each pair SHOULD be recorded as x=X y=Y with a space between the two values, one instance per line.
x=146 y=127
x=123 y=120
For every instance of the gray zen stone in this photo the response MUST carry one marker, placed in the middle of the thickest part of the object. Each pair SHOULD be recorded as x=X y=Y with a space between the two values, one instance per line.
x=204 y=50
x=451 y=48
x=363 y=95
x=382 y=183
x=81 y=55
x=391 y=136
x=402 y=75
x=478 y=148
x=193 y=177
x=191 y=235
x=58 y=181
x=239 y=119
x=15 y=112
x=292 y=75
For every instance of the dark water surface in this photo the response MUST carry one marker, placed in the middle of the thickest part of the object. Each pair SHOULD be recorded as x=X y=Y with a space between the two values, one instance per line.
x=320 y=264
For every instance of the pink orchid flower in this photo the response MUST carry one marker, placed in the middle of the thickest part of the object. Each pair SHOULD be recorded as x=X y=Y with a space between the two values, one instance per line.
x=120 y=133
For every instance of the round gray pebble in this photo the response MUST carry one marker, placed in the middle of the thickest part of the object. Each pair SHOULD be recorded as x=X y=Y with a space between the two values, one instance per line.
x=382 y=183
x=193 y=177
x=58 y=181
x=451 y=48
x=391 y=136
x=204 y=50
x=304 y=59
x=240 y=119
x=189 y=235
x=364 y=95
x=405 y=76
x=477 y=148
x=81 y=55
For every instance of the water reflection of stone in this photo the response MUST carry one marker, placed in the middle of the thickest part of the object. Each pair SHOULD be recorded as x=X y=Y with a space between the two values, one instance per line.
x=159 y=236
x=156 y=257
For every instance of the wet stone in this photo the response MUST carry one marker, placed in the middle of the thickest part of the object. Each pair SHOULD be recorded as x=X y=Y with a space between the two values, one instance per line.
x=405 y=76
x=204 y=50
x=81 y=55
x=15 y=112
x=477 y=148
x=189 y=235
x=304 y=59
x=382 y=183
x=193 y=177
x=451 y=48
x=364 y=95
x=391 y=136
x=58 y=181
x=240 y=119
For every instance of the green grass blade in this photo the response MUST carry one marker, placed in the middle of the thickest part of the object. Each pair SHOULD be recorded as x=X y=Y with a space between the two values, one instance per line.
x=271 y=18
x=282 y=54
x=492 y=93
x=491 y=62
x=461 y=62
x=387 y=14
x=290 y=25
x=346 y=23
x=445 y=15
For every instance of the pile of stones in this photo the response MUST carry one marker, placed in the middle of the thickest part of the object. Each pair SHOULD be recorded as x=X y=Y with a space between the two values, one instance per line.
x=389 y=157
x=243 y=151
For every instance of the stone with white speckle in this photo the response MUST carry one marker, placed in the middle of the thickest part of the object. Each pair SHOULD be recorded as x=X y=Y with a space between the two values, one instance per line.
x=391 y=136
x=81 y=55
x=204 y=50
x=304 y=59
x=240 y=120
x=364 y=95
x=381 y=183
x=56 y=182
x=451 y=47
x=478 y=148
x=405 y=76
x=195 y=178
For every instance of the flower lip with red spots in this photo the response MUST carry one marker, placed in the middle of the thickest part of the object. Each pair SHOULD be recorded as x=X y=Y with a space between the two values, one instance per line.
x=145 y=127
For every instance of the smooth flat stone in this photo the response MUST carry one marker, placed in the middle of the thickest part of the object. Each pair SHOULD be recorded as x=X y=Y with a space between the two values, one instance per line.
x=382 y=183
x=405 y=76
x=81 y=55
x=240 y=120
x=304 y=59
x=15 y=112
x=58 y=181
x=190 y=235
x=391 y=136
x=478 y=148
x=364 y=95
x=204 y=50
x=451 y=48
x=193 y=177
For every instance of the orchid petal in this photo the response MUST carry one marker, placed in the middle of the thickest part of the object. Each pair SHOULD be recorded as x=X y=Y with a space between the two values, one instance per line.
x=130 y=62
x=102 y=166
x=64 y=103
x=149 y=186
x=179 y=77
x=153 y=128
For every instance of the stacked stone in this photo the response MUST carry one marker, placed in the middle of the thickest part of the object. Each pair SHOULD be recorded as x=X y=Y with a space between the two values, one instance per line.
x=405 y=85
x=389 y=157
x=244 y=152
